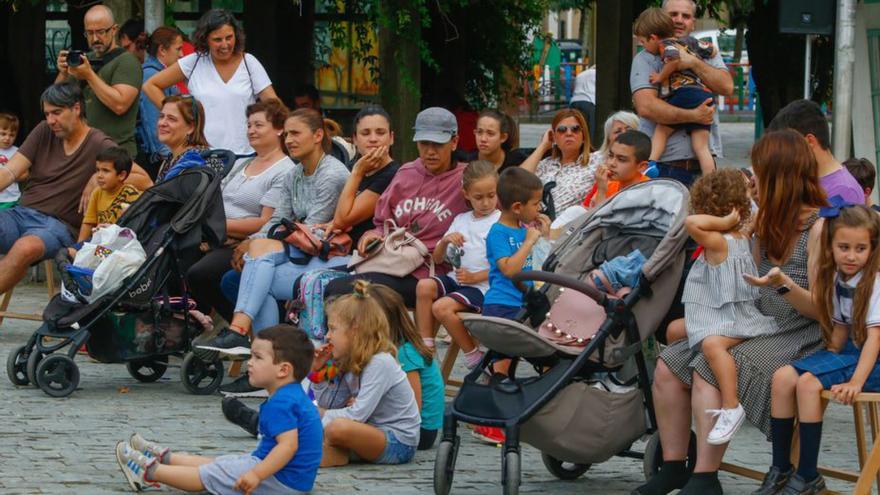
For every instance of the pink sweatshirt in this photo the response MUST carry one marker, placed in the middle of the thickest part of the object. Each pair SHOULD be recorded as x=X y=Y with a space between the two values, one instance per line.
x=422 y=202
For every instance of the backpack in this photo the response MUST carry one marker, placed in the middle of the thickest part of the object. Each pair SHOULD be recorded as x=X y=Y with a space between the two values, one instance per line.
x=307 y=308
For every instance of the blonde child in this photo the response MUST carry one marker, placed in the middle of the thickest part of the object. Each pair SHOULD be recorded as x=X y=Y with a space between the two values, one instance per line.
x=719 y=305
x=417 y=361
x=380 y=423
x=847 y=298
x=289 y=449
x=443 y=297
x=8 y=131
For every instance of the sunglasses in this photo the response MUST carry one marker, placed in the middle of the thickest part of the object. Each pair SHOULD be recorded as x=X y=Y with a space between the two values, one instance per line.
x=565 y=128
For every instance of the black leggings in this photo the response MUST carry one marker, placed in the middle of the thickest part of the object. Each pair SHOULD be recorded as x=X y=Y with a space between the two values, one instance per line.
x=405 y=286
x=426 y=438
x=203 y=279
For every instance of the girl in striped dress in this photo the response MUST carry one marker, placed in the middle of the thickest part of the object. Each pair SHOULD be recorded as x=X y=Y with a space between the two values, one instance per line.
x=719 y=305
x=847 y=296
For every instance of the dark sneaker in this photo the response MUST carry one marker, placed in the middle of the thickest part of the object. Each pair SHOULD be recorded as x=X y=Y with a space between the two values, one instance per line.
x=702 y=484
x=241 y=387
x=672 y=476
x=799 y=486
x=239 y=414
x=774 y=481
x=225 y=339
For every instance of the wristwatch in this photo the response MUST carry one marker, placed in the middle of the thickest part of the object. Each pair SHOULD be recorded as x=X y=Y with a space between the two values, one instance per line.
x=783 y=290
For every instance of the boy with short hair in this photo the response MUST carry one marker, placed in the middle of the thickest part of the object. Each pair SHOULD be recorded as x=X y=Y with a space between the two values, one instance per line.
x=289 y=450
x=8 y=131
x=865 y=174
x=625 y=166
x=683 y=88
x=113 y=195
x=510 y=241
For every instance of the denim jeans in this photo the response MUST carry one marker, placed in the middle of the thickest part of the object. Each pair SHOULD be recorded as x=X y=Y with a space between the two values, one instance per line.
x=270 y=278
x=684 y=176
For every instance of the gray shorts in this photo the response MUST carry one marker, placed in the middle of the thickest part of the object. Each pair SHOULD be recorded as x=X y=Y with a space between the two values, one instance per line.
x=219 y=477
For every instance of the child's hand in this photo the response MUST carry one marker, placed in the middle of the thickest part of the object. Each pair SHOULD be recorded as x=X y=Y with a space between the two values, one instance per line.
x=732 y=218
x=247 y=482
x=602 y=175
x=322 y=355
x=543 y=224
x=845 y=393
x=465 y=277
x=533 y=234
x=455 y=238
x=654 y=78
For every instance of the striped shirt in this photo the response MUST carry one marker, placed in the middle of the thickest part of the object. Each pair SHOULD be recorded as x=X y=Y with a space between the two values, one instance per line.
x=844 y=291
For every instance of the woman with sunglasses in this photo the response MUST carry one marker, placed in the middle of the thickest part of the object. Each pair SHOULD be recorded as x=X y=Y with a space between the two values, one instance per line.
x=181 y=127
x=222 y=76
x=568 y=140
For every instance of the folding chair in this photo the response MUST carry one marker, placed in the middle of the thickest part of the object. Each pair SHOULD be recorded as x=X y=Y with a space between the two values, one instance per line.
x=7 y=297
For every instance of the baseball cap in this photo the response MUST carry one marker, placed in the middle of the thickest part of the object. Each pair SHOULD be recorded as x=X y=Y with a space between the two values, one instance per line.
x=436 y=125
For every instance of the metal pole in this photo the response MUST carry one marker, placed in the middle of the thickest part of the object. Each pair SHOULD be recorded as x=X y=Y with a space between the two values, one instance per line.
x=808 y=63
x=154 y=14
x=844 y=66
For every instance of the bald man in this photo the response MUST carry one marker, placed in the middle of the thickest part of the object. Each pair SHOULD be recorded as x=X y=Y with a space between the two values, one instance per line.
x=111 y=79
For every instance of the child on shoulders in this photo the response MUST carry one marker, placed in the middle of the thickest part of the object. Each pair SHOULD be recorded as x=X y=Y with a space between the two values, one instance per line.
x=289 y=449
x=443 y=297
x=380 y=423
x=681 y=88
x=847 y=296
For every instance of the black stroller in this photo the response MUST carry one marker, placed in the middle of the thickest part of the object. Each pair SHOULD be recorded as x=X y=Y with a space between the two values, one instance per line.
x=562 y=409
x=146 y=319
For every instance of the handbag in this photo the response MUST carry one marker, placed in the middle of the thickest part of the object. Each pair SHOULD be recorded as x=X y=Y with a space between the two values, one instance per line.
x=399 y=254
x=310 y=240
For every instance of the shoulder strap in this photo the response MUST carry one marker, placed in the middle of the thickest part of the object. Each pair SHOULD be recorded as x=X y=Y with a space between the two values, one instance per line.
x=250 y=78
x=198 y=57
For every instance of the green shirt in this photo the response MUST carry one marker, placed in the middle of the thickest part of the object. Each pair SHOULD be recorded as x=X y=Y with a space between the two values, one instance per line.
x=122 y=69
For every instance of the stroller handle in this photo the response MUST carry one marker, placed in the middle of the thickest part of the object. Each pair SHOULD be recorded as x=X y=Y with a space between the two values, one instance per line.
x=562 y=281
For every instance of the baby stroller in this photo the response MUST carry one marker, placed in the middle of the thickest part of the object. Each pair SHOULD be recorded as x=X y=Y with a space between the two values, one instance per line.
x=562 y=411
x=146 y=319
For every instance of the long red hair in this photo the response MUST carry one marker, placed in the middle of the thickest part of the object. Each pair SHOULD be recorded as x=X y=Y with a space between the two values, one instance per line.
x=788 y=182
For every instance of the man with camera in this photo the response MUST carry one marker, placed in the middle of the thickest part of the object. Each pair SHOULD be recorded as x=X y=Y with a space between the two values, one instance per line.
x=112 y=78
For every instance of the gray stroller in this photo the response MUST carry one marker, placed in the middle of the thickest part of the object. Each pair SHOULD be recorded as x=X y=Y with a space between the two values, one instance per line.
x=577 y=339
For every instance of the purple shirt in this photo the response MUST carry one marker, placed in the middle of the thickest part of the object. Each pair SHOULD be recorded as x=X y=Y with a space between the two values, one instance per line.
x=841 y=183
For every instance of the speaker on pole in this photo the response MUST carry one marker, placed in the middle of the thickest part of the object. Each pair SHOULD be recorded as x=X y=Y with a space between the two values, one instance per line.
x=807 y=16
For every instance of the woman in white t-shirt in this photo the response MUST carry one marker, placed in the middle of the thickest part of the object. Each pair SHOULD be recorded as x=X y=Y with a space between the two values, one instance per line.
x=221 y=76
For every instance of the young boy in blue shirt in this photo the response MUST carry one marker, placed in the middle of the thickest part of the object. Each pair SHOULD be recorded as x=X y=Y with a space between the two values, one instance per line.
x=510 y=241
x=289 y=449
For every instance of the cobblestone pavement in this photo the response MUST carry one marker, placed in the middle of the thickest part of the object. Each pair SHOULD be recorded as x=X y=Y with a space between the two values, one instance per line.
x=66 y=445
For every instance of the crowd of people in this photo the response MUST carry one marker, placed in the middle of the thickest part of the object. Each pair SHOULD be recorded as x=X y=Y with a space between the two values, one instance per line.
x=778 y=305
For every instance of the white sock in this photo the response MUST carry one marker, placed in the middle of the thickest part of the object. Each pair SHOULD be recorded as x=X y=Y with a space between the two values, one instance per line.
x=473 y=358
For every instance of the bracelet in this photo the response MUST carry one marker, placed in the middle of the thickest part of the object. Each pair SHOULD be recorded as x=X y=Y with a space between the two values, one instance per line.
x=11 y=174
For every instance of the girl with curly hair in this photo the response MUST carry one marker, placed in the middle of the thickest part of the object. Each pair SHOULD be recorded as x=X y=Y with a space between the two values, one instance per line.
x=719 y=304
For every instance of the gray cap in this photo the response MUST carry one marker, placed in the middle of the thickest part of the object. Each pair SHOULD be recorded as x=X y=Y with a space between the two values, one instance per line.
x=436 y=125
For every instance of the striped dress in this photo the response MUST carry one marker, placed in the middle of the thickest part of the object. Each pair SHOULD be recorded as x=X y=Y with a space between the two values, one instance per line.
x=718 y=301
x=758 y=358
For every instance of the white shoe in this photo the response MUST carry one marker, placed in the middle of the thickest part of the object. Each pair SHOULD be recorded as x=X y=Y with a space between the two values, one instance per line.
x=134 y=466
x=729 y=420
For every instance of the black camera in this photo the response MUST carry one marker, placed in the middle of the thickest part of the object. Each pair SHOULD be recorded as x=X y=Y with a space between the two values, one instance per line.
x=75 y=58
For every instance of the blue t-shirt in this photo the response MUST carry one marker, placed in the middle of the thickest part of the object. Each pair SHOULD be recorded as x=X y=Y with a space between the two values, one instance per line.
x=287 y=409
x=503 y=242
x=433 y=390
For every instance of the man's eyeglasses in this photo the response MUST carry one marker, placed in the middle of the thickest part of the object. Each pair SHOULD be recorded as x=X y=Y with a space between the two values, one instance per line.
x=565 y=128
x=93 y=33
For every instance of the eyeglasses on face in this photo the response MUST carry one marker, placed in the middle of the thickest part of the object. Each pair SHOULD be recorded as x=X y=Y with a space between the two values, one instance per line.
x=562 y=129
x=93 y=33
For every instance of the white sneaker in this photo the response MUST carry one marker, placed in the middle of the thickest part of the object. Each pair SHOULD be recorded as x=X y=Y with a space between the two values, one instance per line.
x=729 y=420
x=134 y=466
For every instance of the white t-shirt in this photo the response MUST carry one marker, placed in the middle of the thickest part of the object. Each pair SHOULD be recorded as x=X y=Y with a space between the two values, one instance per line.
x=11 y=193
x=245 y=195
x=472 y=256
x=585 y=86
x=225 y=103
x=843 y=304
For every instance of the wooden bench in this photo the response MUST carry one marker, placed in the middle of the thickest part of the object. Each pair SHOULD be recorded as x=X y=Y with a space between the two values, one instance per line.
x=865 y=408
x=7 y=297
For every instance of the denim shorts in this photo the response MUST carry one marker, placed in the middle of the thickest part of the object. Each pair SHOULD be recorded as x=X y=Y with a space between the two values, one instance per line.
x=19 y=221
x=622 y=271
x=220 y=475
x=395 y=452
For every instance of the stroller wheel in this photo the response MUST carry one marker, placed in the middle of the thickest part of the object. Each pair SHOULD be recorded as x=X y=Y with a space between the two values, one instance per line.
x=33 y=360
x=57 y=375
x=201 y=377
x=511 y=473
x=564 y=470
x=444 y=466
x=147 y=370
x=16 y=366
x=654 y=455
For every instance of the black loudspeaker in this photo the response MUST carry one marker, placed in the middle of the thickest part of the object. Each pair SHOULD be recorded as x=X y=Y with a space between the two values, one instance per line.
x=806 y=16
